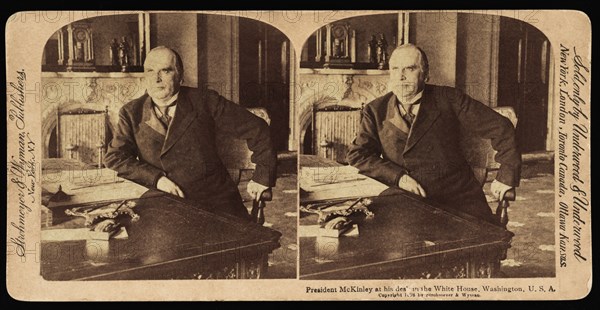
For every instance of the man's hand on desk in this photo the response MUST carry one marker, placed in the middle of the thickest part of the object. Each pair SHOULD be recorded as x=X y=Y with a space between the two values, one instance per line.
x=168 y=186
x=409 y=184
x=256 y=189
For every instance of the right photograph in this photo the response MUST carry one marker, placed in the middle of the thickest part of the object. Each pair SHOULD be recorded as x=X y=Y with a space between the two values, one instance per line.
x=426 y=148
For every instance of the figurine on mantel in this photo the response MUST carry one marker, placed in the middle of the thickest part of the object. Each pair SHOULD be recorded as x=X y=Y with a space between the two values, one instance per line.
x=114 y=52
x=382 y=56
x=371 y=49
x=124 y=54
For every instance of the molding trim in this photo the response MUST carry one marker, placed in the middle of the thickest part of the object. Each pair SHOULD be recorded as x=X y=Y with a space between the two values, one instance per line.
x=494 y=54
x=235 y=60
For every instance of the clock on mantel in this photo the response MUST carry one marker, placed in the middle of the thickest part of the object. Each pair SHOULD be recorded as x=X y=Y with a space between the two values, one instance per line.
x=80 y=46
x=340 y=46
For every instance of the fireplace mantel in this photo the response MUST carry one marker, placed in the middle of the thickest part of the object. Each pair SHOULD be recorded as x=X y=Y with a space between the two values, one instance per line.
x=113 y=75
x=343 y=71
x=320 y=88
x=98 y=91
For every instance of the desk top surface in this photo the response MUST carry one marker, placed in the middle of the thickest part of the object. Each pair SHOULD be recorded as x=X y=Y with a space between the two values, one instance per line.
x=404 y=227
x=168 y=230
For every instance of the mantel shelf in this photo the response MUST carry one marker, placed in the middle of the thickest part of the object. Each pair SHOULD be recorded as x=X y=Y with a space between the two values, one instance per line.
x=343 y=71
x=92 y=74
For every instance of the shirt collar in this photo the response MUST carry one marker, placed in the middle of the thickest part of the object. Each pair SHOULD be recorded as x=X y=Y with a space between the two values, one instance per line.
x=413 y=100
x=168 y=102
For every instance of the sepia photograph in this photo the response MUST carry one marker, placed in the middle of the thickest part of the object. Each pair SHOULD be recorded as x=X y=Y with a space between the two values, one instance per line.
x=424 y=130
x=282 y=155
x=166 y=149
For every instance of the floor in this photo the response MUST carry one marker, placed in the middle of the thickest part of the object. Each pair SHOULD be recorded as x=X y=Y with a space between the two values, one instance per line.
x=281 y=215
x=531 y=219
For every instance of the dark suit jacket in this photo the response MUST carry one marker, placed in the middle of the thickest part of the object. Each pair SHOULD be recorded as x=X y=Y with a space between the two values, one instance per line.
x=142 y=151
x=430 y=152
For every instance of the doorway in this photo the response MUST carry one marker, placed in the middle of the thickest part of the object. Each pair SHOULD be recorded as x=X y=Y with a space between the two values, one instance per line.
x=523 y=73
x=265 y=75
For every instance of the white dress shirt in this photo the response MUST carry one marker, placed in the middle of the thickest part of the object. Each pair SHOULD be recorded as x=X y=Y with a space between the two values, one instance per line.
x=410 y=105
x=170 y=110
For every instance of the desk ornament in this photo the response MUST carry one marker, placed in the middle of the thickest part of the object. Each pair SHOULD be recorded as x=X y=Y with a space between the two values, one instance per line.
x=337 y=218
x=106 y=218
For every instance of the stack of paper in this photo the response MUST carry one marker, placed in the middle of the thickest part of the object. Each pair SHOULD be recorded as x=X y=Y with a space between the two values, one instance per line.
x=90 y=185
x=321 y=183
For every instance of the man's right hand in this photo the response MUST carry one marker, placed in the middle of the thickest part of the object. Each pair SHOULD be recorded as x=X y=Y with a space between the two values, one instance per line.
x=168 y=186
x=409 y=184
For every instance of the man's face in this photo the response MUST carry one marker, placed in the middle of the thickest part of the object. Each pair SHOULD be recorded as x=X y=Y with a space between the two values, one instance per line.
x=160 y=74
x=406 y=74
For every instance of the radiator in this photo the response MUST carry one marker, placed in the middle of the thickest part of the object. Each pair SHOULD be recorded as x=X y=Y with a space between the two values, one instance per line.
x=333 y=131
x=81 y=135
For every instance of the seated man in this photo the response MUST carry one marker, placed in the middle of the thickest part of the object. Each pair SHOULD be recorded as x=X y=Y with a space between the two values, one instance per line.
x=410 y=138
x=166 y=139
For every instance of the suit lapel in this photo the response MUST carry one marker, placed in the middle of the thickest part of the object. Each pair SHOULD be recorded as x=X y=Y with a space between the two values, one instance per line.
x=184 y=115
x=393 y=115
x=156 y=128
x=428 y=113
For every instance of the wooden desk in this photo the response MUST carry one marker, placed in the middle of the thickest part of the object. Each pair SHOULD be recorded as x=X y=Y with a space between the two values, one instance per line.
x=407 y=238
x=171 y=240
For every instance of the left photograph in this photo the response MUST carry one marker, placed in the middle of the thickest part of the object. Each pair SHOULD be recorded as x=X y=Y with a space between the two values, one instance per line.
x=167 y=149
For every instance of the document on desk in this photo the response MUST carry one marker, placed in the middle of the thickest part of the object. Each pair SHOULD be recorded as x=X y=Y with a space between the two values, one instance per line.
x=89 y=185
x=322 y=183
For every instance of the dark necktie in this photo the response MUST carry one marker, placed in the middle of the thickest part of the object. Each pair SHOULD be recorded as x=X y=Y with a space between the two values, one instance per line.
x=164 y=115
x=409 y=117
